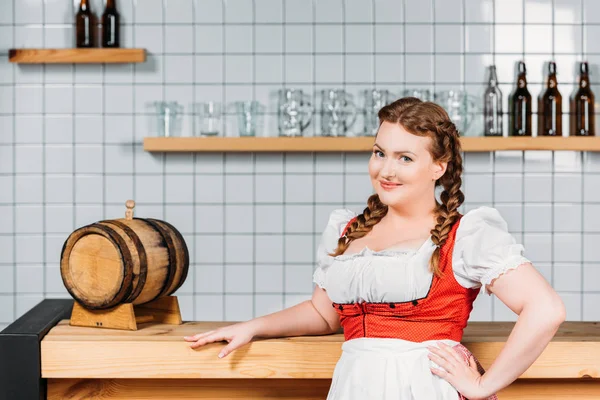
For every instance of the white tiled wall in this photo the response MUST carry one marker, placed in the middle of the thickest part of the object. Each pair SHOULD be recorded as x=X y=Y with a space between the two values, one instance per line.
x=71 y=154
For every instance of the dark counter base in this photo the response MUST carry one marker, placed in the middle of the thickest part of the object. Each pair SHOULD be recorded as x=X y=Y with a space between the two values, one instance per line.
x=20 y=356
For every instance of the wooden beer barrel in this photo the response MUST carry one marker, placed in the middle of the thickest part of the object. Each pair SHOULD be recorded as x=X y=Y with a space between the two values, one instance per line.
x=129 y=260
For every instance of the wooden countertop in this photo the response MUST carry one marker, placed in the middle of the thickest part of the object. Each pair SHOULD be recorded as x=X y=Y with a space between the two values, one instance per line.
x=159 y=351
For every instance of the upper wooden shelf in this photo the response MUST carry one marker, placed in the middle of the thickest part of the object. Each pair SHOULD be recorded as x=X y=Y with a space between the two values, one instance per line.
x=355 y=144
x=76 y=56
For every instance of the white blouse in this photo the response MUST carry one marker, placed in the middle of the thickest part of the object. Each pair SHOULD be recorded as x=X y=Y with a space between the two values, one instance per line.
x=483 y=250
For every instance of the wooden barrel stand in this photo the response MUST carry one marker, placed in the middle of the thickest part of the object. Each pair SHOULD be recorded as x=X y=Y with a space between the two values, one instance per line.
x=164 y=310
x=123 y=272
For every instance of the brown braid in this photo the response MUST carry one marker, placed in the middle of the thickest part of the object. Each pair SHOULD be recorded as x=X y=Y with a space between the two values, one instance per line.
x=451 y=197
x=363 y=224
x=422 y=119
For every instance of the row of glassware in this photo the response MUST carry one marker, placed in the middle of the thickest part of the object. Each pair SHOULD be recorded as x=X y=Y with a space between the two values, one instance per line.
x=295 y=111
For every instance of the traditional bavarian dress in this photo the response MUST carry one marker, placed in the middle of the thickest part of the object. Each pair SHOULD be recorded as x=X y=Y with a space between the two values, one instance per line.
x=391 y=307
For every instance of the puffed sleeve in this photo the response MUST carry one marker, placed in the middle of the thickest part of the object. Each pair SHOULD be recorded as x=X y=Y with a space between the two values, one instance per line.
x=484 y=249
x=338 y=219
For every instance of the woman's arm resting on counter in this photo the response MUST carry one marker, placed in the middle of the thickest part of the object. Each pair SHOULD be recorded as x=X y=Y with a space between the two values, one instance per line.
x=311 y=317
x=541 y=311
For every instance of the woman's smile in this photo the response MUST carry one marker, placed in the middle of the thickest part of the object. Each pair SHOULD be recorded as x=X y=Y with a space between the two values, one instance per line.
x=386 y=185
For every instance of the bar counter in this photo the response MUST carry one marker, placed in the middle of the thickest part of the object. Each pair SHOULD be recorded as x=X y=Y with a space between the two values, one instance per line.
x=155 y=362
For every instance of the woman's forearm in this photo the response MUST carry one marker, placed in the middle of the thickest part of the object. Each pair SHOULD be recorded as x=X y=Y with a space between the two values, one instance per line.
x=532 y=332
x=299 y=320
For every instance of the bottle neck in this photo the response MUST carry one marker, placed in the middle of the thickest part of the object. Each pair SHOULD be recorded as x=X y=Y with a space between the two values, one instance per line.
x=493 y=81
x=521 y=79
x=110 y=4
x=551 y=82
x=84 y=5
x=584 y=81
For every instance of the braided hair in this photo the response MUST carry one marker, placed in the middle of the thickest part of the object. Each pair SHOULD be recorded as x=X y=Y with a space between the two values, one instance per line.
x=422 y=119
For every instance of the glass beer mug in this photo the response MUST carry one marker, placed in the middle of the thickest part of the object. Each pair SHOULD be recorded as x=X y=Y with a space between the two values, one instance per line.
x=338 y=112
x=421 y=94
x=374 y=100
x=460 y=106
x=295 y=112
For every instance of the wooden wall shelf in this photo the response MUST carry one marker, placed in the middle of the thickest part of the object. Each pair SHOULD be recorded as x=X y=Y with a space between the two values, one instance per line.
x=355 y=144
x=76 y=56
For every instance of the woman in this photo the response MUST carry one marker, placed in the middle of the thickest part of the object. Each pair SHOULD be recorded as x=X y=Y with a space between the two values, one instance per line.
x=401 y=277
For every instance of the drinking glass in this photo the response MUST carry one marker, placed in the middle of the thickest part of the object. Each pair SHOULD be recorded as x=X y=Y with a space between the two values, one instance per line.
x=248 y=117
x=169 y=118
x=209 y=118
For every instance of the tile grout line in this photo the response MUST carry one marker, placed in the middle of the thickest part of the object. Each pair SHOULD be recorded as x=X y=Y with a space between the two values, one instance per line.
x=374 y=43
x=284 y=157
x=253 y=157
x=193 y=132
x=344 y=71
x=164 y=157
x=494 y=33
x=134 y=147
x=44 y=175
x=463 y=58
x=552 y=30
x=584 y=156
x=14 y=174
x=300 y=23
x=433 y=73
x=552 y=172
x=224 y=158
x=582 y=241
x=103 y=113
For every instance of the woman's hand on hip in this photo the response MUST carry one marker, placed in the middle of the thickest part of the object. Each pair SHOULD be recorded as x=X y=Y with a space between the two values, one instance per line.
x=465 y=378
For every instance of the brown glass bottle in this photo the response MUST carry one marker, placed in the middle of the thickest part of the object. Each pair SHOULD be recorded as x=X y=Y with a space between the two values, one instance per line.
x=582 y=119
x=85 y=23
x=550 y=106
x=520 y=106
x=110 y=25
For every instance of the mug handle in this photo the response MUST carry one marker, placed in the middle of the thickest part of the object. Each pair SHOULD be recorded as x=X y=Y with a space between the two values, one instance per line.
x=309 y=114
x=351 y=107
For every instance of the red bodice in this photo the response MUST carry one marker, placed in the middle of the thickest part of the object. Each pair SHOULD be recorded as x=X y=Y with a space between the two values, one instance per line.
x=442 y=314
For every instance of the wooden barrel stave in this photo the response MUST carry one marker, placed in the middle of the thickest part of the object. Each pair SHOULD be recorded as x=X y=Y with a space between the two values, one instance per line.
x=140 y=262
x=182 y=256
x=75 y=262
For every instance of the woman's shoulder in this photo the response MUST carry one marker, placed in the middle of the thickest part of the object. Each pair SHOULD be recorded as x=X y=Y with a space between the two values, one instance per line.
x=337 y=221
x=484 y=248
x=480 y=217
